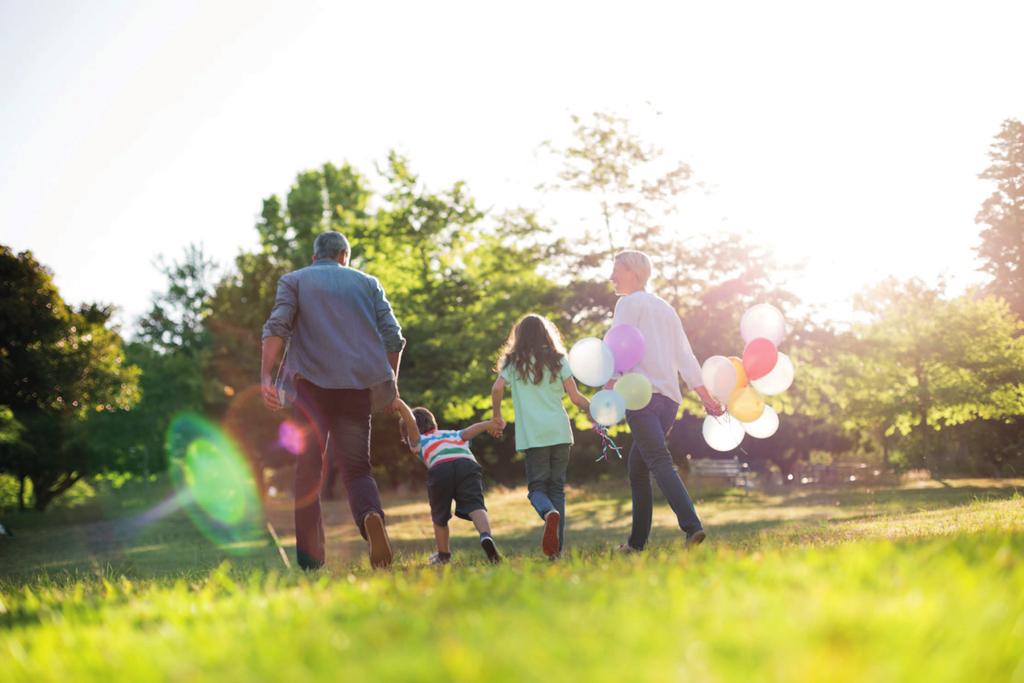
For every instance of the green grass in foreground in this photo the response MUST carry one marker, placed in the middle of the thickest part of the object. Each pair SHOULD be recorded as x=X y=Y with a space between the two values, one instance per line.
x=921 y=584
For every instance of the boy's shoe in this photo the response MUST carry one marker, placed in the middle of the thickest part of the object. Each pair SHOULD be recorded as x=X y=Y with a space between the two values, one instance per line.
x=695 y=539
x=380 y=546
x=549 y=544
x=487 y=543
x=438 y=559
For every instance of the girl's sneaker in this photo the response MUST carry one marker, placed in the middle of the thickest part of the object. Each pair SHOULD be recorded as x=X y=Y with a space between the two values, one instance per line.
x=549 y=544
x=487 y=543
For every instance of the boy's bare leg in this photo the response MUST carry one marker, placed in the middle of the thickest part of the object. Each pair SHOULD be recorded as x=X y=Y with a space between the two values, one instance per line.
x=481 y=521
x=483 y=525
x=441 y=536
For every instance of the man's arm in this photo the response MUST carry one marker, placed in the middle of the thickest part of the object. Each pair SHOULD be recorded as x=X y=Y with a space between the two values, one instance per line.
x=272 y=347
x=277 y=329
x=395 y=360
x=387 y=325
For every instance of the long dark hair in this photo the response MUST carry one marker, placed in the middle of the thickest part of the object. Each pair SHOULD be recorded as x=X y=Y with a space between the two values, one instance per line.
x=534 y=345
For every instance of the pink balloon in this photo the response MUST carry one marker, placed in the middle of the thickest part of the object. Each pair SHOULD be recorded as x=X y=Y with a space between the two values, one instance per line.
x=759 y=357
x=627 y=345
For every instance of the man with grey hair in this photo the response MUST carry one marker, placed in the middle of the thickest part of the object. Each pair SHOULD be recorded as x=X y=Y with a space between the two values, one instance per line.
x=343 y=351
x=667 y=357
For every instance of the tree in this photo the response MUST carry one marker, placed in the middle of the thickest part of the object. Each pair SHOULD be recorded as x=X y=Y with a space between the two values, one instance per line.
x=1002 y=215
x=60 y=367
x=456 y=278
x=175 y=322
x=633 y=186
x=925 y=363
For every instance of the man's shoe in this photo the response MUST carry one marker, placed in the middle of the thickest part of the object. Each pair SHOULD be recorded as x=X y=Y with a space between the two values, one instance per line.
x=549 y=544
x=380 y=546
x=308 y=562
x=438 y=559
x=487 y=543
x=694 y=539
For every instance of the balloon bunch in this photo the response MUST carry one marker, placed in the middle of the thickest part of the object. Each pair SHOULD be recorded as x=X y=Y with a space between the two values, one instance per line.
x=741 y=383
x=593 y=361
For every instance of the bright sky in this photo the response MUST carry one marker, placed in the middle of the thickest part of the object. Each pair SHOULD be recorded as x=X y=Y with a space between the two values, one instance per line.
x=850 y=137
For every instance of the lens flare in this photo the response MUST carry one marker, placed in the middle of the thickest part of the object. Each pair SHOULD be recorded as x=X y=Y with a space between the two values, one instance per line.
x=222 y=498
x=291 y=437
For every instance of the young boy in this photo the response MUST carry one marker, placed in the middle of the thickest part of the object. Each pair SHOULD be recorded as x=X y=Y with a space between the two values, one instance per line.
x=452 y=474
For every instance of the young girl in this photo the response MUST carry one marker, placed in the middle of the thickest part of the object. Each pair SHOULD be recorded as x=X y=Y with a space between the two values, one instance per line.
x=534 y=365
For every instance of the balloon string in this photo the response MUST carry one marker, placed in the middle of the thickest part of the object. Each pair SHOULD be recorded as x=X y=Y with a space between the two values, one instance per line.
x=606 y=444
x=742 y=449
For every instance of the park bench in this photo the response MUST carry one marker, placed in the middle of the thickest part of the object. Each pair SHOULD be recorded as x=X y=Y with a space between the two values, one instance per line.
x=725 y=468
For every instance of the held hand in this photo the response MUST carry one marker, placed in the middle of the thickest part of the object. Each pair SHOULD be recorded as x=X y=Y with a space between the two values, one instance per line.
x=497 y=427
x=395 y=406
x=713 y=407
x=269 y=394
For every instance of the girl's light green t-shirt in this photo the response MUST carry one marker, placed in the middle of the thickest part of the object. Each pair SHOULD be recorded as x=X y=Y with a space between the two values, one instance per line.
x=540 y=419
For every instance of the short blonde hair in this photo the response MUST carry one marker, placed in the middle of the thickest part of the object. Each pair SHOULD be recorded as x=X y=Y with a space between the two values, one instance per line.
x=636 y=261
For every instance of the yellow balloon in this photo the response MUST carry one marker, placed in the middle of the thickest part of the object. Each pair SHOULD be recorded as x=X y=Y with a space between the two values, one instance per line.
x=636 y=389
x=745 y=404
x=741 y=374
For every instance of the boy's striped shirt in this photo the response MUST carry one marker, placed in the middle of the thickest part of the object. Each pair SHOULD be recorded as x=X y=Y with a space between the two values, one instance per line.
x=442 y=445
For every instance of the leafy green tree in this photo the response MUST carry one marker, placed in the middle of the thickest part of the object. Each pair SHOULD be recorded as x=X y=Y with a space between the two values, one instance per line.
x=176 y=320
x=60 y=367
x=1002 y=216
x=924 y=363
x=173 y=353
x=456 y=278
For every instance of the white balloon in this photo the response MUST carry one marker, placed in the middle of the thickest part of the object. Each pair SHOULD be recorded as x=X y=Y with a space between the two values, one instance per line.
x=723 y=433
x=764 y=426
x=591 y=361
x=778 y=380
x=719 y=375
x=607 y=407
x=763 y=320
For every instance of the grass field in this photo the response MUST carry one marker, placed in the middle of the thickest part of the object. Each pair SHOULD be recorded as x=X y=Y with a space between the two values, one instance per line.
x=922 y=583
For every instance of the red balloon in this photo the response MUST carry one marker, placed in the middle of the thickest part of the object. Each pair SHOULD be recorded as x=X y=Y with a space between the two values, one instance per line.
x=759 y=357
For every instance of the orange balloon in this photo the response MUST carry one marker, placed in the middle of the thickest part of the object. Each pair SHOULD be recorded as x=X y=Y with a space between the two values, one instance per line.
x=741 y=375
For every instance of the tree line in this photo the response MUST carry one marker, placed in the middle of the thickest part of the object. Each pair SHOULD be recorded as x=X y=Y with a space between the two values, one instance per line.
x=925 y=380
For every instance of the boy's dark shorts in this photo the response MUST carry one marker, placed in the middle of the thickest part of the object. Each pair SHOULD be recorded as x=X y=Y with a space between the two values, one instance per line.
x=460 y=480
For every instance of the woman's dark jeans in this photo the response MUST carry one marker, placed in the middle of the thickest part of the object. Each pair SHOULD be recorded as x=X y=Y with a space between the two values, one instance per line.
x=649 y=455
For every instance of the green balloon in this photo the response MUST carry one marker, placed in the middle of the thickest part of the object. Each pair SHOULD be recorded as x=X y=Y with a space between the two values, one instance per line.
x=636 y=389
